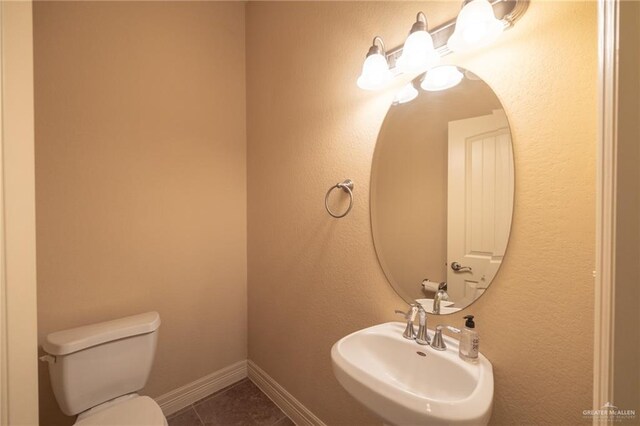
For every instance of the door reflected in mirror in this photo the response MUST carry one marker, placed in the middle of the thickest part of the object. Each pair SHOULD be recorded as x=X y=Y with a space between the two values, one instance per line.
x=442 y=187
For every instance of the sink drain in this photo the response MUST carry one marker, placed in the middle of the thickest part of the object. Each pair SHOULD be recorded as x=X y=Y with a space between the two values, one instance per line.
x=421 y=353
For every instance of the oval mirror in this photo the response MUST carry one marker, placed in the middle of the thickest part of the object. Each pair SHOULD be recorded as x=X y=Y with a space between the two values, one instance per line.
x=442 y=184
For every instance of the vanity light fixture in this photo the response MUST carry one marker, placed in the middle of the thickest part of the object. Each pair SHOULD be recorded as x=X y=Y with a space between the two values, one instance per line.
x=478 y=23
x=375 y=70
x=441 y=78
x=476 y=26
x=406 y=94
x=418 y=53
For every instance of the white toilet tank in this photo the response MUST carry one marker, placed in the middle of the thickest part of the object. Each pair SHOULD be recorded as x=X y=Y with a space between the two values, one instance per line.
x=99 y=362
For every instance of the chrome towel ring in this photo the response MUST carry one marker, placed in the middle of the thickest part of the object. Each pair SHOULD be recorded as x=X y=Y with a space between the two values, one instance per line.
x=346 y=186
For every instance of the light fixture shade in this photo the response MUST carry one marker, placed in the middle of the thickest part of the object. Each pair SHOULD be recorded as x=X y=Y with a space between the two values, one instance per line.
x=406 y=94
x=441 y=78
x=375 y=70
x=418 y=53
x=476 y=26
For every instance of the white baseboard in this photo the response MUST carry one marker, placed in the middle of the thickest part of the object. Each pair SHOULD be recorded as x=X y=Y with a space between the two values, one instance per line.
x=293 y=408
x=186 y=395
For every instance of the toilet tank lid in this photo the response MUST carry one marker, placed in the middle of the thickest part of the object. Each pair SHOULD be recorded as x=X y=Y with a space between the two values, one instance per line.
x=76 y=339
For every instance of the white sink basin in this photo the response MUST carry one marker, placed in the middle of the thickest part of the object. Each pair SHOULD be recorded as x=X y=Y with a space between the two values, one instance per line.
x=387 y=374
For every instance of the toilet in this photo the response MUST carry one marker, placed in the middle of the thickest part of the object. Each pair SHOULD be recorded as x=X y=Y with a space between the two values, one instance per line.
x=97 y=370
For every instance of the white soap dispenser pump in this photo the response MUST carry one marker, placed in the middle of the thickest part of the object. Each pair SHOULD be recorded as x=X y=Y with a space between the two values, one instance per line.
x=469 y=341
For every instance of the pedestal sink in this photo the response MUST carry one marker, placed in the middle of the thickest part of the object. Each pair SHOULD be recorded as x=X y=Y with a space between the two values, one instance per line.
x=409 y=384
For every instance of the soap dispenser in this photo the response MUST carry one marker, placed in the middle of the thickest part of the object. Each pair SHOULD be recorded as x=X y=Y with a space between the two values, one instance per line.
x=469 y=341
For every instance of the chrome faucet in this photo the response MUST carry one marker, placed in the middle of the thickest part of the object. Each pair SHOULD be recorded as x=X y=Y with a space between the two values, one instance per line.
x=440 y=296
x=437 y=342
x=422 y=338
x=409 y=316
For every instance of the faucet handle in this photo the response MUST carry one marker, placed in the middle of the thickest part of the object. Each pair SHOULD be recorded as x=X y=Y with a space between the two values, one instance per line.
x=410 y=315
x=437 y=342
x=450 y=328
x=405 y=314
x=409 y=332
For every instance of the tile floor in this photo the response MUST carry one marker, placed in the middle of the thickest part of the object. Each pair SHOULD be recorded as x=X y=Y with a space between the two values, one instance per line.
x=240 y=404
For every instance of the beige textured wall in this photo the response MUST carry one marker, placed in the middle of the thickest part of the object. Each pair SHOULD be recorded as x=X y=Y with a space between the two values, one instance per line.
x=141 y=177
x=309 y=126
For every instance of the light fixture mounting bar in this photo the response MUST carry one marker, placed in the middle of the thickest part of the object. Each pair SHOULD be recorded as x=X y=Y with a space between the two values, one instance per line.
x=508 y=11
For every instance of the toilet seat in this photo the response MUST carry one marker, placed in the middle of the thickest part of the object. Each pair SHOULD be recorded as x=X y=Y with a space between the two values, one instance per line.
x=136 y=411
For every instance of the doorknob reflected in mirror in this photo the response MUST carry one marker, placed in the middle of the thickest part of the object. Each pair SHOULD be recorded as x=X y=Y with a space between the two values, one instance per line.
x=459 y=268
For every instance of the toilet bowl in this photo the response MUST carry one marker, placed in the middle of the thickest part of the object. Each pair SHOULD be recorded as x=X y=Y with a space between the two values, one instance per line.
x=97 y=370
